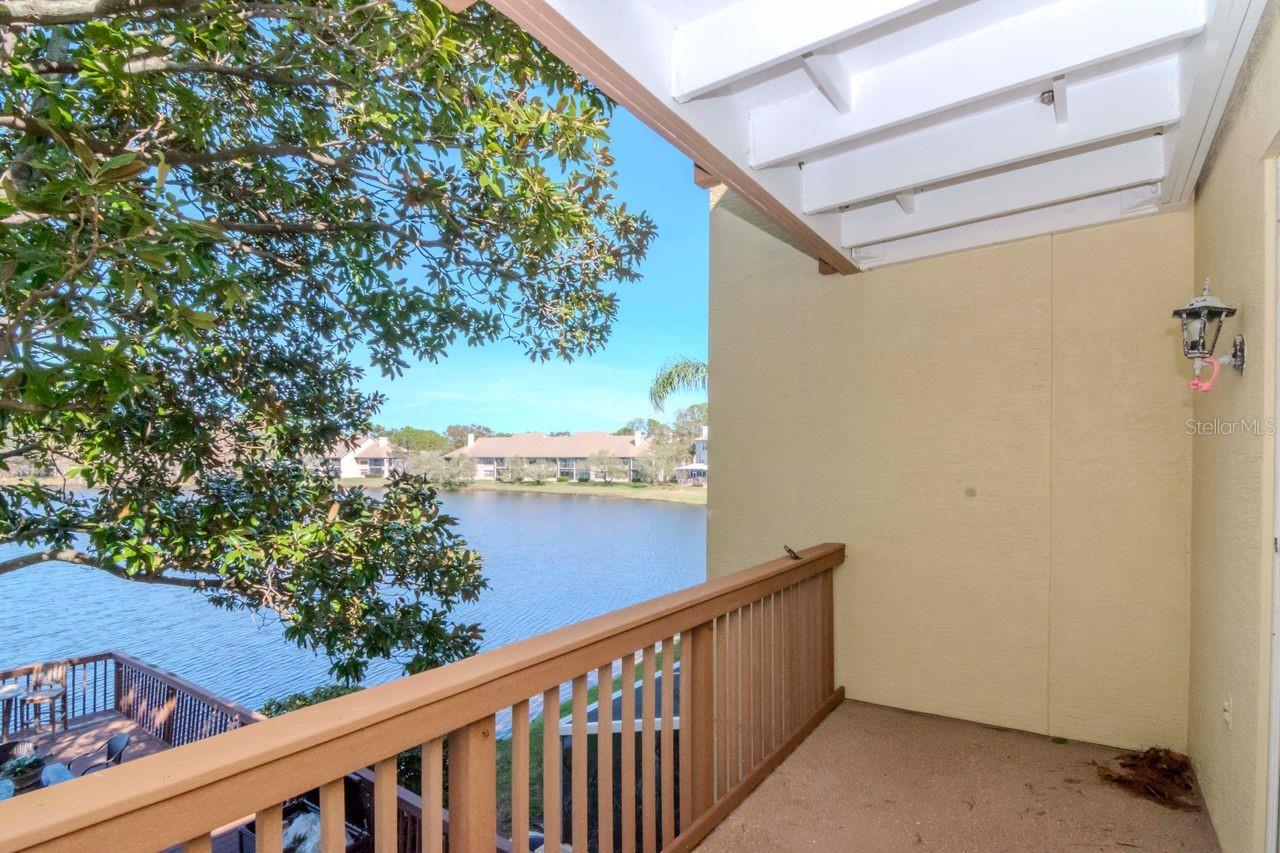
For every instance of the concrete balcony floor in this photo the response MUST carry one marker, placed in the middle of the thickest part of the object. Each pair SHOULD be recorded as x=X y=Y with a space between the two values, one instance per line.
x=880 y=779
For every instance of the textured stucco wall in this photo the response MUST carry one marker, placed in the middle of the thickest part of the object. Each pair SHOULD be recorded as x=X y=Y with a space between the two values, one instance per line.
x=1233 y=477
x=1010 y=470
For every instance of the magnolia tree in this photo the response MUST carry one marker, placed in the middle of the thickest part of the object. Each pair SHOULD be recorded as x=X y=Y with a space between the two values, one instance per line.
x=207 y=208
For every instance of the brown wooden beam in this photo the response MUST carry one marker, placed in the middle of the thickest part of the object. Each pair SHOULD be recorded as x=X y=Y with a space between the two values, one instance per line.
x=457 y=6
x=704 y=179
x=543 y=22
x=825 y=268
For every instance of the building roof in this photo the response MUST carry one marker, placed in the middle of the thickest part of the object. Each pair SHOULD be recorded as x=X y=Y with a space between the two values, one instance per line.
x=380 y=451
x=880 y=132
x=365 y=447
x=538 y=445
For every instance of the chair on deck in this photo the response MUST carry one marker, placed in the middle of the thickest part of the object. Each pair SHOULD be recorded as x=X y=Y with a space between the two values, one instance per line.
x=114 y=749
x=48 y=689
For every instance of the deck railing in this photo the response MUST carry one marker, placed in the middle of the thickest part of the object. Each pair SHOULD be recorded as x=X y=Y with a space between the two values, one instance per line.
x=165 y=705
x=756 y=672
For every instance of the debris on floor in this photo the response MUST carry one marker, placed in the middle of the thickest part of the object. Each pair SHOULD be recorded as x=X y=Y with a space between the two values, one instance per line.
x=1160 y=775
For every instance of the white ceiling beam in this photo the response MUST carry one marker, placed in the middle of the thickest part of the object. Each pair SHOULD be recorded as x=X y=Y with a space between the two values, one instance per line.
x=1078 y=176
x=747 y=36
x=1121 y=104
x=1056 y=39
x=1215 y=60
x=624 y=48
x=828 y=75
x=1046 y=220
x=1060 y=99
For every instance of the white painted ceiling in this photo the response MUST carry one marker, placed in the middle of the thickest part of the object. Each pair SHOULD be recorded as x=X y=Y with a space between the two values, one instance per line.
x=899 y=129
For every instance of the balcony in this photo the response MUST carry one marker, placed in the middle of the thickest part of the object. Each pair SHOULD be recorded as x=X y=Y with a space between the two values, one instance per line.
x=732 y=734
x=110 y=693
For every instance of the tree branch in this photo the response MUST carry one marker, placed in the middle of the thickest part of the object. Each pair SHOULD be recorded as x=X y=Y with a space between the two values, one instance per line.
x=313 y=228
x=179 y=156
x=167 y=65
x=182 y=156
x=70 y=555
x=48 y=12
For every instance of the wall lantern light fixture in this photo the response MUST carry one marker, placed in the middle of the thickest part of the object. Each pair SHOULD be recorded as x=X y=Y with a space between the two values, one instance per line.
x=1201 y=324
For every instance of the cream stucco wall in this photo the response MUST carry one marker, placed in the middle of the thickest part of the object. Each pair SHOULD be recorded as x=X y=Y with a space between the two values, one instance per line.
x=1000 y=438
x=1232 y=546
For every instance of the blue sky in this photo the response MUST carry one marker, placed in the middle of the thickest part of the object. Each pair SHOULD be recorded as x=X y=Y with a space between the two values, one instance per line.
x=663 y=315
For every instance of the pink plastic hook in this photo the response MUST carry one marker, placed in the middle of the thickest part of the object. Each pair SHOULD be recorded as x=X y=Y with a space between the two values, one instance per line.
x=1198 y=384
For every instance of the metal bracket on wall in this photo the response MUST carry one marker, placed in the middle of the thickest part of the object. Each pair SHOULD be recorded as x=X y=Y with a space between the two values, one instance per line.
x=1237 y=355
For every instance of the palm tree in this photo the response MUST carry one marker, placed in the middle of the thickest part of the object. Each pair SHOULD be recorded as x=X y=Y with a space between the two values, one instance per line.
x=679 y=374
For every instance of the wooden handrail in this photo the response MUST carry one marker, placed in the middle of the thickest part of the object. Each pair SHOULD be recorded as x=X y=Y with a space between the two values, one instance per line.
x=30 y=668
x=181 y=794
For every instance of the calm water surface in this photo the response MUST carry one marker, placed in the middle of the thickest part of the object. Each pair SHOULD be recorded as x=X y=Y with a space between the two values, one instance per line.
x=550 y=560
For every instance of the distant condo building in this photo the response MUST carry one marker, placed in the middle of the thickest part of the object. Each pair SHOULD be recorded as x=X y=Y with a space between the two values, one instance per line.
x=695 y=473
x=569 y=453
x=365 y=456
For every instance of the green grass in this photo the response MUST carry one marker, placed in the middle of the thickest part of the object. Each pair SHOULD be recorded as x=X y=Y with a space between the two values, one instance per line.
x=535 y=749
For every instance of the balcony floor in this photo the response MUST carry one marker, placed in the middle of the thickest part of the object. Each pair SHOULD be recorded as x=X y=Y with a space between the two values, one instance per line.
x=876 y=778
x=89 y=733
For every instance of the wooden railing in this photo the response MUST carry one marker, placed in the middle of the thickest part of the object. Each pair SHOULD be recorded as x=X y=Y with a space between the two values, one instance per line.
x=757 y=675
x=167 y=706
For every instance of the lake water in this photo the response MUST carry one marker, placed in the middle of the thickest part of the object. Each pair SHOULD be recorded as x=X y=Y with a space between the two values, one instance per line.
x=550 y=561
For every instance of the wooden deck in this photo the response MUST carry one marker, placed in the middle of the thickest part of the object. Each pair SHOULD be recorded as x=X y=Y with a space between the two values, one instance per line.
x=86 y=734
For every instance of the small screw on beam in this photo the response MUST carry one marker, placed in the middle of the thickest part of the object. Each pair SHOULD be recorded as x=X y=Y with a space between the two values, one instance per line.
x=790 y=552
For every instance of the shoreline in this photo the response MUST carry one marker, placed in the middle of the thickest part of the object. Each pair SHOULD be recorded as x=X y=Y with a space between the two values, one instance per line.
x=688 y=495
x=691 y=495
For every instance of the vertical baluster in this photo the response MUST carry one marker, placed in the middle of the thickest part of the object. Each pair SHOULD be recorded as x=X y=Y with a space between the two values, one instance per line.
x=668 y=741
x=385 y=837
x=578 y=786
x=762 y=687
x=803 y=652
x=775 y=677
x=697 y=725
x=520 y=777
x=473 y=786
x=268 y=830
x=604 y=757
x=815 y=648
x=433 y=796
x=648 y=835
x=552 y=794
x=733 y=709
x=722 y=706
x=627 y=801
x=828 y=634
x=333 y=817
x=748 y=687
x=794 y=652
x=815 y=644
